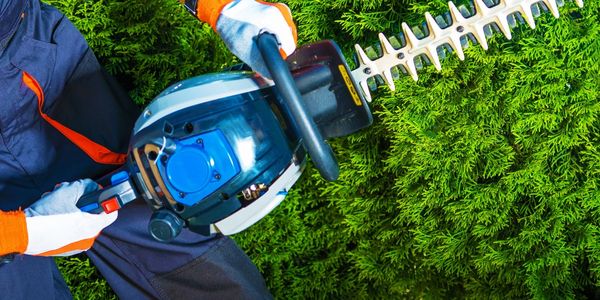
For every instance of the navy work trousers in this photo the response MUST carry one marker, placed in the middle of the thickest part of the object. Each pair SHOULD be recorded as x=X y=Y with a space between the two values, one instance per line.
x=34 y=156
x=137 y=267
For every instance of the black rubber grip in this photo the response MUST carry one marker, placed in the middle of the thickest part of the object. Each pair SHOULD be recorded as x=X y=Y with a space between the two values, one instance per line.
x=116 y=196
x=319 y=151
x=90 y=202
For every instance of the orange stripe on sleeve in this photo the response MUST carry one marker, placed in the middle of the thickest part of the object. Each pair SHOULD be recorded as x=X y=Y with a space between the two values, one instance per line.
x=13 y=232
x=95 y=151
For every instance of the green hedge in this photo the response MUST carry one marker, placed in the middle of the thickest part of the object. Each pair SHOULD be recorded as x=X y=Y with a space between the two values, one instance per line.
x=478 y=181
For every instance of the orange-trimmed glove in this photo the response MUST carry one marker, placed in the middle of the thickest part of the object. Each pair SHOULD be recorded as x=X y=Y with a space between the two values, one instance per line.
x=239 y=22
x=53 y=226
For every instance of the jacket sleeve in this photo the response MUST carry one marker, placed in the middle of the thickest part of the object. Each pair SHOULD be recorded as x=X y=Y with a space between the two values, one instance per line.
x=13 y=232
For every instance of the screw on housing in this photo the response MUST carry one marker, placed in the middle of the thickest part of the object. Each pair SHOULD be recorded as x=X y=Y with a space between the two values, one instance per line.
x=461 y=26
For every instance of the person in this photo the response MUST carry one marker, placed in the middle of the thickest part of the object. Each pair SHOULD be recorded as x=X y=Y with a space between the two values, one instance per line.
x=64 y=118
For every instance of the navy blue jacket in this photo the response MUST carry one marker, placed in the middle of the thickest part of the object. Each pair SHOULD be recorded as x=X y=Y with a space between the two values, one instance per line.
x=61 y=117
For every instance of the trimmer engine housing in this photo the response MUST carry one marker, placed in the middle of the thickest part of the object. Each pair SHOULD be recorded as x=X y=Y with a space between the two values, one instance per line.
x=218 y=152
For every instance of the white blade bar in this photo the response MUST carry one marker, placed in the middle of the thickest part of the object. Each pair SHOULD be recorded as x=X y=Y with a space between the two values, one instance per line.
x=450 y=35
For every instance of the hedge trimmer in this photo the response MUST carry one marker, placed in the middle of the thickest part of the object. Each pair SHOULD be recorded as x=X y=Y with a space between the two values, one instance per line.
x=218 y=152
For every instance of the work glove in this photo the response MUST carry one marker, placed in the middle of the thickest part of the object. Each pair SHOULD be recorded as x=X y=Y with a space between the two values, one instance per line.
x=239 y=23
x=56 y=227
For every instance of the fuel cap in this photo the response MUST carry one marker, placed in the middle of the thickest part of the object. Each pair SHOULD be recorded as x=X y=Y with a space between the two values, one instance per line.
x=189 y=169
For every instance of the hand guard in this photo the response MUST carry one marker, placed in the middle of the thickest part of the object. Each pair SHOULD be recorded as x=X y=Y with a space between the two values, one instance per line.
x=56 y=227
x=239 y=22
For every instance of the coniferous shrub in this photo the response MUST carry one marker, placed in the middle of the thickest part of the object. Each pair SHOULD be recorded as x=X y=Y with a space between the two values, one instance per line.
x=478 y=181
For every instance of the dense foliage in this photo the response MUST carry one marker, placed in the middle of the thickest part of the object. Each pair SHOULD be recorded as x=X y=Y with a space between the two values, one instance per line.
x=477 y=181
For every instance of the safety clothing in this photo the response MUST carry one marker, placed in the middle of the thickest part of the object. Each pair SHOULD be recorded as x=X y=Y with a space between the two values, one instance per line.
x=36 y=153
x=239 y=22
x=56 y=227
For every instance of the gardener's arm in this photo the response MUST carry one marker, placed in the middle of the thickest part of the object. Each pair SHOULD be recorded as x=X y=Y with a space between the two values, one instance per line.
x=53 y=226
x=238 y=22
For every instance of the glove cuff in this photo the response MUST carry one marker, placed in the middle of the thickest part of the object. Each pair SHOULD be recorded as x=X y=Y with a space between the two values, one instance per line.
x=13 y=232
x=207 y=11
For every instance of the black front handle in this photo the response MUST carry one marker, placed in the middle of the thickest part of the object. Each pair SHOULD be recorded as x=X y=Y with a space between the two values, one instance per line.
x=319 y=151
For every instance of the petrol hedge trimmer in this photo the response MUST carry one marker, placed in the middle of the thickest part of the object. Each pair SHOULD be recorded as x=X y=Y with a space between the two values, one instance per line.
x=218 y=152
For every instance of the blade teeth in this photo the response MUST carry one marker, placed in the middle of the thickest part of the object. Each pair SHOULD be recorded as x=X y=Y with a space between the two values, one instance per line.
x=365 y=87
x=434 y=31
x=435 y=59
x=385 y=44
x=455 y=13
x=480 y=8
x=433 y=26
x=389 y=79
x=502 y=22
x=480 y=36
x=411 y=38
x=411 y=69
x=451 y=35
x=455 y=44
x=551 y=4
x=362 y=56
x=525 y=10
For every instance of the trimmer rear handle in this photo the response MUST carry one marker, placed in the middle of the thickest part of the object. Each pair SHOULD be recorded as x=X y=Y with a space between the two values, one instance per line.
x=319 y=151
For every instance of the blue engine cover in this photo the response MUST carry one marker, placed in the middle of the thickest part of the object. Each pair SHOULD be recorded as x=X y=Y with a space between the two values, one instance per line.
x=200 y=165
x=212 y=137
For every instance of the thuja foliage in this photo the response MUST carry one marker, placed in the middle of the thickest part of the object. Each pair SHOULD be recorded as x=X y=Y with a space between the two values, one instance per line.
x=84 y=280
x=478 y=181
